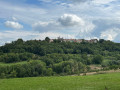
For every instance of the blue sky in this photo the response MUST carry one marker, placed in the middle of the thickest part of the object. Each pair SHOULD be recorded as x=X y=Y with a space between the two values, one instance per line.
x=37 y=19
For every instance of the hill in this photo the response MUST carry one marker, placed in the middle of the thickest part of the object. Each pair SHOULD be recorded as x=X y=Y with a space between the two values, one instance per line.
x=44 y=58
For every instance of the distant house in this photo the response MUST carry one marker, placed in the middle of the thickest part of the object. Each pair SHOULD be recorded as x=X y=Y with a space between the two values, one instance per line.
x=51 y=40
x=73 y=40
x=69 y=40
x=79 y=40
x=94 y=40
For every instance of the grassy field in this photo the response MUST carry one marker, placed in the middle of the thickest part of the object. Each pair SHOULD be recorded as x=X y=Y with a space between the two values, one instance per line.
x=92 y=82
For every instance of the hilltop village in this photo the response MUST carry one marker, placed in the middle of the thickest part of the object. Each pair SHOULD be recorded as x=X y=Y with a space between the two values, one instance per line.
x=75 y=40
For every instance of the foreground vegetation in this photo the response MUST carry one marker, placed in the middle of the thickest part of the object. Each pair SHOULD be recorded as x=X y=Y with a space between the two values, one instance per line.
x=92 y=82
x=44 y=58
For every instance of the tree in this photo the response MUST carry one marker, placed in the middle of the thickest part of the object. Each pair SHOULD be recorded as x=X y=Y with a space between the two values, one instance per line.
x=97 y=59
x=67 y=69
x=101 y=40
x=19 y=41
x=47 y=39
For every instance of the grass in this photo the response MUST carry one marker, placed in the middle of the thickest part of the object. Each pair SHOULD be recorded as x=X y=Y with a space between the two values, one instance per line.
x=92 y=82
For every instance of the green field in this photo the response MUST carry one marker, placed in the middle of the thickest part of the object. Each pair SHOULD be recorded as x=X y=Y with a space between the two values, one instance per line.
x=91 y=82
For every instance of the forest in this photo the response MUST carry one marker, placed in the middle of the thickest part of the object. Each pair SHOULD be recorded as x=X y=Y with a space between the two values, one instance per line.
x=44 y=58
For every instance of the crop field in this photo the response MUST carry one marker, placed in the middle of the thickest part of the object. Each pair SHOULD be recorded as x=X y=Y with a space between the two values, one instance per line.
x=109 y=81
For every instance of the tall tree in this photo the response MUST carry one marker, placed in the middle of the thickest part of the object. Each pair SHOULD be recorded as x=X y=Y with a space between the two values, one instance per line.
x=47 y=39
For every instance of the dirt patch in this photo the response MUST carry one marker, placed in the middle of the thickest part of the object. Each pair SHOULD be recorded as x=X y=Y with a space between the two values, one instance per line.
x=100 y=72
x=95 y=67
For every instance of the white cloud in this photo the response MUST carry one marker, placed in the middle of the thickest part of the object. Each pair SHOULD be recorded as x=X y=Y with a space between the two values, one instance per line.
x=12 y=24
x=85 y=31
x=14 y=34
x=79 y=1
x=9 y=36
x=87 y=20
x=94 y=1
x=71 y=20
x=102 y=1
x=42 y=24
x=53 y=35
x=67 y=23
x=110 y=34
x=24 y=13
x=46 y=26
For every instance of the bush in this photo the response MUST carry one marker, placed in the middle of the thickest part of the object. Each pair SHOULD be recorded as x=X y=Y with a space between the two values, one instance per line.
x=97 y=59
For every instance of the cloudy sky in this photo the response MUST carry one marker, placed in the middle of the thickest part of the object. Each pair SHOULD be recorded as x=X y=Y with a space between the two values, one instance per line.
x=37 y=19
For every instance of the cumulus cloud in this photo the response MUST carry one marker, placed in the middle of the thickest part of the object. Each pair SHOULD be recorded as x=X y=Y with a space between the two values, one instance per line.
x=67 y=23
x=86 y=31
x=110 y=34
x=14 y=25
x=71 y=20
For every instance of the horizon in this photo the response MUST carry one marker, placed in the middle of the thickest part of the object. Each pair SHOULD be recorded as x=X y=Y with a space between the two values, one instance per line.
x=57 y=39
x=37 y=19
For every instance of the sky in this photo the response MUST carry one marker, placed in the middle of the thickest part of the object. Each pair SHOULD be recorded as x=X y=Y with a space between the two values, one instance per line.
x=70 y=19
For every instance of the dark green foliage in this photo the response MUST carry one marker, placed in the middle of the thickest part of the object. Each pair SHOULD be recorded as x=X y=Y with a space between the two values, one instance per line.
x=115 y=67
x=16 y=57
x=101 y=40
x=47 y=39
x=13 y=73
x=97 y=59
x=42 y=47
x=45 y=58
x=32 y=68
x=2 y=75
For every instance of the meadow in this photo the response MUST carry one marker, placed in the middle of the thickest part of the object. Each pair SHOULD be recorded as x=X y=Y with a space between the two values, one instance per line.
x=109 y=81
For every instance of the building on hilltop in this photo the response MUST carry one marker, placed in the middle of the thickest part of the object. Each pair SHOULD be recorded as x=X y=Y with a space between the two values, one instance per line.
x=91 y=41
x=69 y=40
x=51 y=40
x=94 y=40
x=75 y=40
